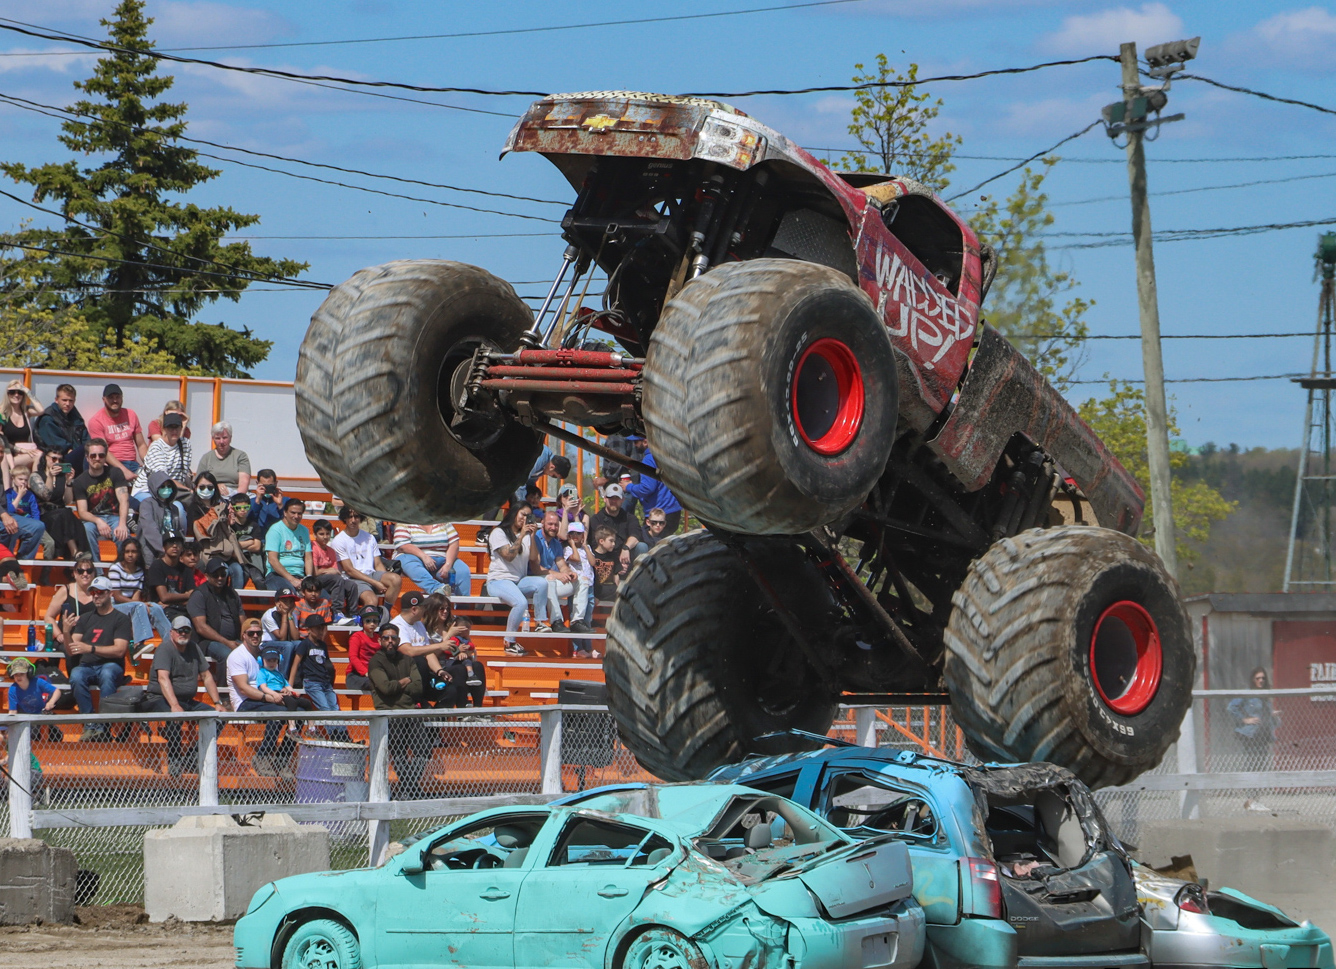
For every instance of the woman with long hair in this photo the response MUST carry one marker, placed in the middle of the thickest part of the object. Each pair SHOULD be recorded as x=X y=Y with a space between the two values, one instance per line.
x=203 y=499
x=437 y=614
x=171 y=407
x=17 y=415
x=52 y=483
x=127 y=594
x=508 y=572
x=1255 y=721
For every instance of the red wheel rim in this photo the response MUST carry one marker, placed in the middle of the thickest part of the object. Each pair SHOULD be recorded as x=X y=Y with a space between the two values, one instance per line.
x=1125 y=658
x=827 y=396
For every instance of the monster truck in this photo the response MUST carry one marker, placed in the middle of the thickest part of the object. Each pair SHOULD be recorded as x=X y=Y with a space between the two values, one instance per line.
x=897 y=506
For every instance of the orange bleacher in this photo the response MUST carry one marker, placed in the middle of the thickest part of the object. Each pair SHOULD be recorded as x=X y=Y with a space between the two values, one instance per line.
x=511 y=681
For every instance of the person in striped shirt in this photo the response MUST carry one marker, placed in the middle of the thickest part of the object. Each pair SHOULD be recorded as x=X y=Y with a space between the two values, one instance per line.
x=429 y=555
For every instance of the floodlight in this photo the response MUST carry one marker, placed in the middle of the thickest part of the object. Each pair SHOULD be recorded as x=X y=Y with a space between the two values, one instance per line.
x=1174 y=52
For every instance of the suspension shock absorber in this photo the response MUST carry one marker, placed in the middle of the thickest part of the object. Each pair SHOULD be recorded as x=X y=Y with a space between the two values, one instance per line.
x=707 y=200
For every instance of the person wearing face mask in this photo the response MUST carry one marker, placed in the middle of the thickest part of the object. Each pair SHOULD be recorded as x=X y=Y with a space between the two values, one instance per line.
x=201 y=501
x=211 y=524
x=161 y=515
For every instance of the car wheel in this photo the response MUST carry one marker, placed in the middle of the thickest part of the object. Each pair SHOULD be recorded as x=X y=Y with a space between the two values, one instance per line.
x=322 y=944
x=662 y=949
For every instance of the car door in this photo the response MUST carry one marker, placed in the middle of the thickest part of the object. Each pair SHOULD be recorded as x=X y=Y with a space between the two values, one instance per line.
x=866 y=802
x=458 y=906
x=1079 y=899
x=573 y=901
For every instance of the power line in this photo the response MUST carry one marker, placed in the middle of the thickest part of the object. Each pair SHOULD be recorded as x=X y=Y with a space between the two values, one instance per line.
x=1203 y=188
x=1256 y=94
x=37 y=106
x=491 y=33
x=20 y=27
x=1182 y=235
x=464 y=235
x=1163 y=336
x=11 y=244
x=1198 y=380
x=1067 y=159
x=1026 y=161
x=232 y=272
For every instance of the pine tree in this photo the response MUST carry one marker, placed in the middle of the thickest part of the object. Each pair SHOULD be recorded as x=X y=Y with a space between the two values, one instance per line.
x=151 y=263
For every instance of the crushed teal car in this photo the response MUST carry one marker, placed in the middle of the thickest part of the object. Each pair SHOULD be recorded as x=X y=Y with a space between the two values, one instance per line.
x=1017 y=868
x=691 y=876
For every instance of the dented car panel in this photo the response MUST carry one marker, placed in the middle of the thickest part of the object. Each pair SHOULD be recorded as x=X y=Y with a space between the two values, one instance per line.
x=572 y=885
x=1095 y=906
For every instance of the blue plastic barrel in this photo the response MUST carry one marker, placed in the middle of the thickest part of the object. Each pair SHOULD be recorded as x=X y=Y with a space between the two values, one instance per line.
x=333 y=772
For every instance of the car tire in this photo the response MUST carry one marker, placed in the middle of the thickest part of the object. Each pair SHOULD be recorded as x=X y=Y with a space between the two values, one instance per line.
x=322 y=944
x=1070 y=645
x=698 y=666
x=373 y=389
x=661 y=948
x=770 y=396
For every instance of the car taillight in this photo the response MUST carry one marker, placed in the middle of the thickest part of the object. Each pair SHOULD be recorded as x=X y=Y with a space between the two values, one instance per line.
x=985 y=889
x=1192 y=898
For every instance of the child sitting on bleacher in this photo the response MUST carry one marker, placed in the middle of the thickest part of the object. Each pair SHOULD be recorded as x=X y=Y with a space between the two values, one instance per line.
x=272 y=678
x=22 y=503
x=467 y=674
x=190 y=559
x=312 y=603
x=30 y=694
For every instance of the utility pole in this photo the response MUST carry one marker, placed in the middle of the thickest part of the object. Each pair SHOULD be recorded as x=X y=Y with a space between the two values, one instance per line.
x=1157 y=411
x=1130 y=116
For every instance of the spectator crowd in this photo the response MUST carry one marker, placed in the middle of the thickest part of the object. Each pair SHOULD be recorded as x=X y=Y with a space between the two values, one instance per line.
x=190 y=532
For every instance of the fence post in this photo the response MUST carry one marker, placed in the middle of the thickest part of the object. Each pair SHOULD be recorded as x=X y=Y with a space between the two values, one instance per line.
x=865 y=726
x=549 y=742
x=378 y=787
x=1189 y=802
x=20 y=780
x=208 y=761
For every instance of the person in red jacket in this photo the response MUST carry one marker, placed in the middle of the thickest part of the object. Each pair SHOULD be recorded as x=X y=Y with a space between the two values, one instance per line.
x=361 y=645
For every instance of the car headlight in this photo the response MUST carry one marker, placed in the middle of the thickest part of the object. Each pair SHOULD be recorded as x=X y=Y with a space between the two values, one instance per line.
x=261 y=896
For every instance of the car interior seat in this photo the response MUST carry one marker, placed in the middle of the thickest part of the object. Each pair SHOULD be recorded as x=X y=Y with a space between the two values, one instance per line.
x=517 y=839
x=1061 y=836
x=657 y=855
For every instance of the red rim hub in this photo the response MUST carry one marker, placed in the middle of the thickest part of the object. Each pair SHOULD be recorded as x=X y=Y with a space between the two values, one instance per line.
x=1126 y=658
x=827 y=396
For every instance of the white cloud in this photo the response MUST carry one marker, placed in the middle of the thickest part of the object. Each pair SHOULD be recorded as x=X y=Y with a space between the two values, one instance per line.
x=1304 y=38
x=1102 y=32
x=18 y=60
x=185 y=24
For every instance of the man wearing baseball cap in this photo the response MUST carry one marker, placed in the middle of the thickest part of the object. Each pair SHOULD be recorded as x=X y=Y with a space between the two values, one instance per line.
x=178 y=668
x=96 y=653
x=248 y=694
x=281 y=629
x=412 y=631
x=630 y=536
x=119 y=427
x=215 y=609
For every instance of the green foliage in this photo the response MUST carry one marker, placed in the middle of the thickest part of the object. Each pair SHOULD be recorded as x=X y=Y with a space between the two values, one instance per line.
x=1025 y=302
x=1120 y=421
x=891 y=123
x=151 y=263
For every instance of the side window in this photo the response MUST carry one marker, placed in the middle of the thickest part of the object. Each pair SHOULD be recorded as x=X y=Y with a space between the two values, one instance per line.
x=589 y=841
x=489 y=844
x=1043 y=830
x=780 y=784
x=858 y=799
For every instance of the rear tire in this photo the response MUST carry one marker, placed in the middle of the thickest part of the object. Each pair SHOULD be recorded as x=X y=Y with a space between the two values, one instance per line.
x=698 y=665
x=373 y=392
x=1070 y=645
x=660 y=948
x=770 y=396
x=322 y=944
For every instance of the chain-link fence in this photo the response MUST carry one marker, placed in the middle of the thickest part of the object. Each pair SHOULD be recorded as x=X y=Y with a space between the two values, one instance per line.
x=96 y=784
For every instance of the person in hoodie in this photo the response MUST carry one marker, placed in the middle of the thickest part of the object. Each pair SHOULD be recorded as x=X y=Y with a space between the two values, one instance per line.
x=61 y=428
x=161 y=515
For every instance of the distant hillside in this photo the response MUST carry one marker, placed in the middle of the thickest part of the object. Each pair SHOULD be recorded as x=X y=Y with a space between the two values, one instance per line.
x=1246 y=551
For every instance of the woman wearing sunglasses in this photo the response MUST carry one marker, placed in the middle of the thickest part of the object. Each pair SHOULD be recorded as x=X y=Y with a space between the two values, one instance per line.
x=17 y=414
x=73 y=599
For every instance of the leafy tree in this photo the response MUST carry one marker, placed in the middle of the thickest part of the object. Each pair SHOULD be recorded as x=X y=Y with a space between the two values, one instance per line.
x=1120 y=421
x=142 y=266
x=891 y=123
x=1025 y=302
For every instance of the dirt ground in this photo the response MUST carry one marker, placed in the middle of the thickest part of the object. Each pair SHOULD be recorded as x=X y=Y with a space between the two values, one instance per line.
x=116 y=937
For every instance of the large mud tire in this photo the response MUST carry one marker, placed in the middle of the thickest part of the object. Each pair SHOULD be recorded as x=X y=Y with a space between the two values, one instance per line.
x=373 y=400
x=698 y=666
x=770 y=396
x=1070 y=645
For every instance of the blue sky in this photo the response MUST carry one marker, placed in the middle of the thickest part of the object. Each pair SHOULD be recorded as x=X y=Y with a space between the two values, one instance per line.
x=1254 y=284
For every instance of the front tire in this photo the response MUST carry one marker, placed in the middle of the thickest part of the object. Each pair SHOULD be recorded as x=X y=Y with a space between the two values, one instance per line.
x=1070 y=645
x=770 y=396
x=322 y=944
x=374 y=401
x=698 y=666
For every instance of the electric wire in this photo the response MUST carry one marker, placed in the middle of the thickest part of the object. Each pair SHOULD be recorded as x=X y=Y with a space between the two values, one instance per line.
x=1181 y=235
x=1254 y=93
x=1026 y=161
x=1202 y=188
x=31 y=30
x=1163 y=336
x=1197 y=380
x=1079 y=161
x=53 y=111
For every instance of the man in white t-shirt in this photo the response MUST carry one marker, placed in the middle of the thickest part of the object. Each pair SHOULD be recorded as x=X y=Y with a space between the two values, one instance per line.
x=243 y=674
x=279 y=626
x=359 y=558
x=413 y=639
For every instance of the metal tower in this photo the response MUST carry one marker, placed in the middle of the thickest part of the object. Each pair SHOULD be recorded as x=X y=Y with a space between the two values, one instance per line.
x=1308 y=561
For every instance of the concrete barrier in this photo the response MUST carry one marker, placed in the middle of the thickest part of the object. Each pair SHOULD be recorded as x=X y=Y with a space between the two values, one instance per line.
x=206 y=868
x=36 y=882
x=1287 y=862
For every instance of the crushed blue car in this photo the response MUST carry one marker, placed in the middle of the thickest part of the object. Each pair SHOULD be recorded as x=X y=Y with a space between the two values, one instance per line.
x=1016 y=866
x=691 y=876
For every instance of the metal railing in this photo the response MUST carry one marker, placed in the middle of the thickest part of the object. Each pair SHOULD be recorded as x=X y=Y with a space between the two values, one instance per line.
x=413 y=770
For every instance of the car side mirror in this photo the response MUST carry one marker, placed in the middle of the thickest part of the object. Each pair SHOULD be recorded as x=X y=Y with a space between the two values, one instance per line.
x=415 y=864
